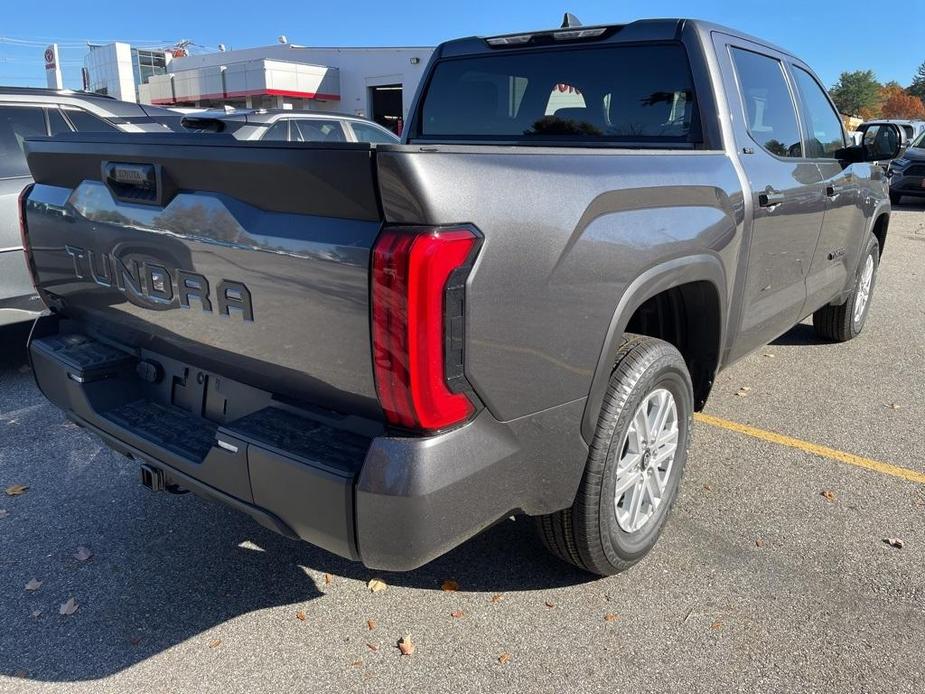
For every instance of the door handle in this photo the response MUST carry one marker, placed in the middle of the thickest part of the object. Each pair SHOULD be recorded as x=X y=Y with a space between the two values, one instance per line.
x=770 y=199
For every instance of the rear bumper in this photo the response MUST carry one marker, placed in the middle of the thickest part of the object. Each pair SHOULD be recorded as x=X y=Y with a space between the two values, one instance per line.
x=392 y=502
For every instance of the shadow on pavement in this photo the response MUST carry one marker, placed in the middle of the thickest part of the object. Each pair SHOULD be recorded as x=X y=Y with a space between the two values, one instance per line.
x=13 y=345
x=800 y=334
x=167 y=568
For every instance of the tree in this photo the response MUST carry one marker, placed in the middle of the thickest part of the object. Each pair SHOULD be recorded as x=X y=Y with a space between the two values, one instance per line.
x=903 y=105
x=856 y=92
x=917 y=88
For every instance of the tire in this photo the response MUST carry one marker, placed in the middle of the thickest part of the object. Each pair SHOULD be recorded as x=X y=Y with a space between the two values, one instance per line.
x=895 y=198
x=597 y=533
x=845 y=322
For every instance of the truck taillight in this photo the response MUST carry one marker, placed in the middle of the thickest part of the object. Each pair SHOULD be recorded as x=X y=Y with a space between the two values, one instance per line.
x=418 y=291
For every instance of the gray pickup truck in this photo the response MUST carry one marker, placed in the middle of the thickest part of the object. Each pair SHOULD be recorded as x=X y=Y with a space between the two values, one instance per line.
x=384 y=350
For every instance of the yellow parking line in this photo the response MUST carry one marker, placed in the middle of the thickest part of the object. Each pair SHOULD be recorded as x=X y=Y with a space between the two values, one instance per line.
x=815 y=449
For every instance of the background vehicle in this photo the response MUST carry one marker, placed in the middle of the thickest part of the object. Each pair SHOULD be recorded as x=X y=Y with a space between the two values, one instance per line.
x=26 y=112
x=383 y=350
x=291 y=126
x=907 y=173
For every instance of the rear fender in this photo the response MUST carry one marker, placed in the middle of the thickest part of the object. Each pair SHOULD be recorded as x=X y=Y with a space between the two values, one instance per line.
x=673 y=273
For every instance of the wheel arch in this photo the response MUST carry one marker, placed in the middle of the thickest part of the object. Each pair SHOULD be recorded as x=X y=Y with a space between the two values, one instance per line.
x=704 y=276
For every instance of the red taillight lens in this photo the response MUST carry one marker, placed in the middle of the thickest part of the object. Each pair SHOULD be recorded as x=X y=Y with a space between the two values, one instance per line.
x=411 y=274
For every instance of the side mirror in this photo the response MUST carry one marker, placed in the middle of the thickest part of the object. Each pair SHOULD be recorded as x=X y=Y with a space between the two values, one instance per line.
x=882 y=142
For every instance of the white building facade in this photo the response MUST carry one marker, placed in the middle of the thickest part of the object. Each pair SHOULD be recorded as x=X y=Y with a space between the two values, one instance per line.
x=376 y=83
x=119 y=69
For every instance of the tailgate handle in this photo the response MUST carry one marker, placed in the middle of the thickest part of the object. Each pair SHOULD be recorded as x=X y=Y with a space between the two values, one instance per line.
x=135 y=182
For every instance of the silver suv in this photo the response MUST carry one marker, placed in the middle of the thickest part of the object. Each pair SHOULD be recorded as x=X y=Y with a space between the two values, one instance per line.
x=27 y=112
x=292 y=126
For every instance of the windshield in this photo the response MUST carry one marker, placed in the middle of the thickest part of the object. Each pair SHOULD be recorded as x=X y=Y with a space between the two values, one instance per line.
x=919 y=141
x=630 y=94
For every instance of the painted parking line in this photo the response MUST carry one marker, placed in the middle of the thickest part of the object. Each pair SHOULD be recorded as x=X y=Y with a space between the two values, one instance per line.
x=815 y=449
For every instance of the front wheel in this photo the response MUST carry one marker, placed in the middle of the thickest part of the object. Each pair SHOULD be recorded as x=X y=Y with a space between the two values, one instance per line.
x=634 y=465
x=845 y=322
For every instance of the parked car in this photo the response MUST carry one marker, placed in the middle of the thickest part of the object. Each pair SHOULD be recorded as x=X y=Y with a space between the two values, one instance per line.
x=384 y=350
x=25 y=112
x=291 y=126
x=907 y=173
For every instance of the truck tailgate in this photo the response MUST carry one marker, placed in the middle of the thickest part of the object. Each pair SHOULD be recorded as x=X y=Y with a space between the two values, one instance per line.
x=248 y=259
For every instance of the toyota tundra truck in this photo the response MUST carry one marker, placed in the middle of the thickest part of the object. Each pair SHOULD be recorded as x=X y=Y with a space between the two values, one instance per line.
x=385 y=349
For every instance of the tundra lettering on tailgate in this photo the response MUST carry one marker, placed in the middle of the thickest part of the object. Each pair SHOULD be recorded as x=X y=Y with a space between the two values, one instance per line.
x=149 y=281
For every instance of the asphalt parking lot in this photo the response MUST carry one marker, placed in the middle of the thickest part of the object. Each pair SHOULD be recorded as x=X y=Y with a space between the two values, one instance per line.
x=760 y=583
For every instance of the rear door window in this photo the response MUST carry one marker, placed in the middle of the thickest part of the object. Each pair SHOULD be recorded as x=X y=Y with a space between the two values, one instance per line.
x=278 y=132
x=823 y=125
x=16 y=124
x=769 y=112
x=316 y=130
x=630 y=94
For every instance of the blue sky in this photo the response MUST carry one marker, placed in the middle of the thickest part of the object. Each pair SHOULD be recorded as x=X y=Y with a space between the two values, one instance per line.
x=831 y=36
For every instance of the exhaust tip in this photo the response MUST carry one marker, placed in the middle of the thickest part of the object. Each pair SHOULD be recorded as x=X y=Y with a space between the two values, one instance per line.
x=153 y=478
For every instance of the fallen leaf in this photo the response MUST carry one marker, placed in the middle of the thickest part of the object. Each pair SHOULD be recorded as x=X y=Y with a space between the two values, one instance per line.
x=215 y=644
x=769 y=355
x=456 y=614
x=134 y=640
x=371 y=623
x=708 y=488
x=16 y=489
x=82 y=554
x=4 y=513
x=611 y=617
x=550 y=605
x=357 y=663
x=34 y=584
x=406 y=645
x=894 y=542
x=743 y=391
x=376 y=585
x=828 y=495
x=68 y=608
x=497 y=597
x=894 y=406
x=450 y=586
x=327 y=579
x=373 y=647
x=300 y=615
x=21 y=674
x=36 y=613
x=759 y=542
x=716 y=625
x=504 y=658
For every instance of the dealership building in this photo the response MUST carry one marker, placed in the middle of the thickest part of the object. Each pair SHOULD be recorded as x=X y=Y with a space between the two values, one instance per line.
x=377 y=83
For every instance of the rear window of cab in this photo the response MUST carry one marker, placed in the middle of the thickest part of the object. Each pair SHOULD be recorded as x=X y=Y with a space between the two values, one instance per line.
x=640 y=94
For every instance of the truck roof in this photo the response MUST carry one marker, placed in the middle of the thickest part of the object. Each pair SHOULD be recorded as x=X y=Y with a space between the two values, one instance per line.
x=663 y=29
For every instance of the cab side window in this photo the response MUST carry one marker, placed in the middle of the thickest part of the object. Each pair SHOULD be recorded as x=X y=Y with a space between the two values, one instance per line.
x=769 y=111
x=88 y=123
x=825 y=135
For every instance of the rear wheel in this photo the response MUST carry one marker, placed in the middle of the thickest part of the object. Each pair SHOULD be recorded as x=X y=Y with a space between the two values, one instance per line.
x=634 y=465
x=845 y=322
